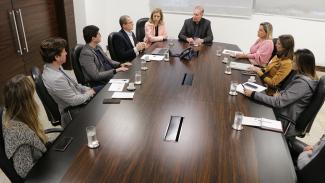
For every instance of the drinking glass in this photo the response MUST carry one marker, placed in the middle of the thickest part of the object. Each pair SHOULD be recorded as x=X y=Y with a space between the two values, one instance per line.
x=137 y=78
x=144 y=65
x=233 y=88
x=91 y=136
x=218 y=52
x=166 y=58
x=237 y=125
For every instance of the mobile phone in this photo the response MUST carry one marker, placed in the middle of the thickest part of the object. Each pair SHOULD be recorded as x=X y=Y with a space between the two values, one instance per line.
x=63 y=144
x=111 y=101
x=250 y=85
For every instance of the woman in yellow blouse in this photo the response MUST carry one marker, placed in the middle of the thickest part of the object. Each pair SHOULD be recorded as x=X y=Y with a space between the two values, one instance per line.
x=280 y=65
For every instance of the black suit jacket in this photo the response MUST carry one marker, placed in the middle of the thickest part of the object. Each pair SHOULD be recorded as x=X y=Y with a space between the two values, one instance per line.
x=188 y=30
x=123 y=46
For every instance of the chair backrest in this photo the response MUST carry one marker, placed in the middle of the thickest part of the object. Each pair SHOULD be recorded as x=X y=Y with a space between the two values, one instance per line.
x=74 y=55
x=274 y=47
x=110 y=46
x=140 y=33
x=314 y=170
x=287 y=80
x=6 y=164
x=51 y=107
x=306 y=118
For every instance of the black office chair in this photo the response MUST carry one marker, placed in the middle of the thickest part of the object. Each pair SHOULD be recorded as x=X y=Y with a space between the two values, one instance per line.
x=306 y=118
x=110 y=46
x=287 y=80
x=51 y=107
x=6 y=164
x=140 y=32
x=74 y=55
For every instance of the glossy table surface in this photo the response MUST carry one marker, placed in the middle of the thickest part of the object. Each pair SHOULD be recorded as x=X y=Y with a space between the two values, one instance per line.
x=131 y=134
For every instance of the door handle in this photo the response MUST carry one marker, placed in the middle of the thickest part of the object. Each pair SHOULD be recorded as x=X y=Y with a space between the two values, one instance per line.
x=23 y=28
x=12 y=14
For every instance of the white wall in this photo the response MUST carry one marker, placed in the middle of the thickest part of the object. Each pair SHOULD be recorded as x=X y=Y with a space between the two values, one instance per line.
x=105 y=14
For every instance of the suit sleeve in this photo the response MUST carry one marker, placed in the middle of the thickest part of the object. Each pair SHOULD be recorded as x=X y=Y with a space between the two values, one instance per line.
x=297 y=90
x=182 y=34
x=87 y=61
x=124 y=53
x=280 y=75
x=64 y=92
x=209 y=35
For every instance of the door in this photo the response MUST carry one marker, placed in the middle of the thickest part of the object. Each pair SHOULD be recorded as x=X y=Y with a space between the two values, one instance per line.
x=11 y=62
x=37 y=21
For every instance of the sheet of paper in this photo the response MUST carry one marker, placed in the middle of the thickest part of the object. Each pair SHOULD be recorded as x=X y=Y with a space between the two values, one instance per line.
x=271 y=124
x=240 y=66
x=251 y=121
x=126 y=95
x=116 y=87
x=259 y=88
x=231 y=52
x=153 y=57
x=118 y=81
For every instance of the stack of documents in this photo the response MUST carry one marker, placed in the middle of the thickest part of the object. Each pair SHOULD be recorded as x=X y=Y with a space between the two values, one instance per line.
x=231 y=52
x=264 y=123
x=123 y=95
x=240 y=66
x=153 y=57
x=251 y=86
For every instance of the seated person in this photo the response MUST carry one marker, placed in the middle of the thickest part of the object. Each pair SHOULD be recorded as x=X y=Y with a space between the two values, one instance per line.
x=64 y=90
x=196 y=29
x=261 y=51
x=309 y=153
x=97 y=68
x=279 y=67
x=291 y=101
x=24 y=137
x=155 y=28
x=125 y=43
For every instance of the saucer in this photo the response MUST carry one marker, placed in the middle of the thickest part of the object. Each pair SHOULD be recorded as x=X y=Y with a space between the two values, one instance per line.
x=227 y=72
x=252 y=81
x=130 y=88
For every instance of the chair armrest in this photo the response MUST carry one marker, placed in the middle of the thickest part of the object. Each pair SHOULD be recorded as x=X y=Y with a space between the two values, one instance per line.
x=53 y=130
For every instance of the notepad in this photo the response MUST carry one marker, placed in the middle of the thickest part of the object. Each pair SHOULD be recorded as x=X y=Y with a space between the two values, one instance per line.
x=263 y=123
x=116 y=87
x=252 y=86
x=154 y=57
x=231 y=52
x=123 y=95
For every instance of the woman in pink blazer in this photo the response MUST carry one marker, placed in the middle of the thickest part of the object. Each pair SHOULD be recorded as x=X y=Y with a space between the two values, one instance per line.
x=261 y=51
x=155 y=28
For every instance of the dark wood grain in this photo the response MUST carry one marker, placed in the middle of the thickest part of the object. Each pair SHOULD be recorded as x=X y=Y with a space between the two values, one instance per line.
x=132 y=148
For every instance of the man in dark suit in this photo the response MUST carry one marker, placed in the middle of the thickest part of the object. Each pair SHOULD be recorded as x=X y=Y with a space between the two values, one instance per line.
x=125 y=44
x=197 y=29
x=97 y=68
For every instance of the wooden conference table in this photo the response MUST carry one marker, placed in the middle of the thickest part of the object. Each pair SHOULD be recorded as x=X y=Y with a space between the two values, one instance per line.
x=131 y=134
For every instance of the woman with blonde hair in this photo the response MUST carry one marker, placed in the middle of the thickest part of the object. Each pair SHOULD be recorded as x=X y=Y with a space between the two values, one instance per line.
x=261 y=51
x=23 y=134
x=155 y=29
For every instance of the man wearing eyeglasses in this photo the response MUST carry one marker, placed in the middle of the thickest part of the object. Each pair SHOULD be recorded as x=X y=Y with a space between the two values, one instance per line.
x=125 y=43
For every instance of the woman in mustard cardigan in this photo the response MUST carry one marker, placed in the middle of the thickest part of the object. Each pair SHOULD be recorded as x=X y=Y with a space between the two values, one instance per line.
x=155 y=28
x=280 y=66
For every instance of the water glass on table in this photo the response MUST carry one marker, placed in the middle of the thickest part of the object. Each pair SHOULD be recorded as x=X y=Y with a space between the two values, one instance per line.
x=137 y=78
x=233 y=88
x=92 y=137
x=237 y=125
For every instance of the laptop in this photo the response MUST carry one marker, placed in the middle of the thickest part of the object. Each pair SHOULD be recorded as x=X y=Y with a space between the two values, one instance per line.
x=159 y=51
